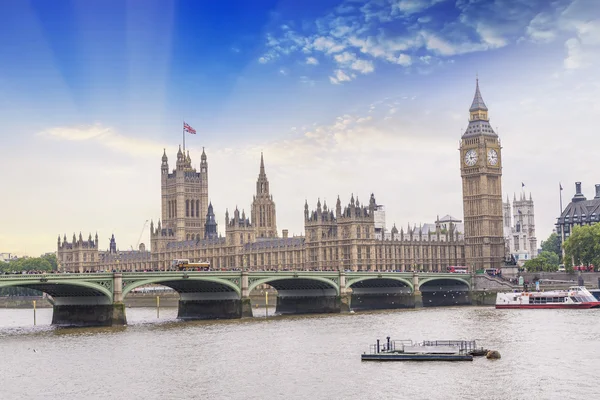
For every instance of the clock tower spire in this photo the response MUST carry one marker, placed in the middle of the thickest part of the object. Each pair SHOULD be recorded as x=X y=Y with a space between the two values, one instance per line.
x=481 y=172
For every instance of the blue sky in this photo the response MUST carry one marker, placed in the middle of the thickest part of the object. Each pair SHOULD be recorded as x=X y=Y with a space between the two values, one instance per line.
x=341 y=96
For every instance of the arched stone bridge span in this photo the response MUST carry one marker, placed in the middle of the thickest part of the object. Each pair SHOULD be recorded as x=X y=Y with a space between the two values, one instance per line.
x=97 y=298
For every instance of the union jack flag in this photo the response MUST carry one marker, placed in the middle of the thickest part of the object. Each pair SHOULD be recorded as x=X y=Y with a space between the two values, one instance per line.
x=188 y=129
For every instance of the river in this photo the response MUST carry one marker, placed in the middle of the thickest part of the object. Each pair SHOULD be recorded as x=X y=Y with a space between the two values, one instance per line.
x=546 y=354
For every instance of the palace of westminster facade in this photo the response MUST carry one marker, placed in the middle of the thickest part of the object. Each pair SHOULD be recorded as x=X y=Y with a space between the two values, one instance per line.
x=346 y=238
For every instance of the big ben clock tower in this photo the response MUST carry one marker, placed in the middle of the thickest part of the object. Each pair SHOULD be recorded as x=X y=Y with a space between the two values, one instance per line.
x=481 y=172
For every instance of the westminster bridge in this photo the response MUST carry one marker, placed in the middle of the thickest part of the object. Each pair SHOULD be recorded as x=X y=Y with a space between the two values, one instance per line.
x=96 y=299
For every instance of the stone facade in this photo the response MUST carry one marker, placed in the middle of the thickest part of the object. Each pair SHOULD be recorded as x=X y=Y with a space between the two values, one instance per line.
x=78 y=255
x=520 y=235
x=184 y=194
x=481 y=171
x=353 y=237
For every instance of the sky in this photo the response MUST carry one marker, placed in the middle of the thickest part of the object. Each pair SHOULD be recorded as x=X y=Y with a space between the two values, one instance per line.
x=342 y=97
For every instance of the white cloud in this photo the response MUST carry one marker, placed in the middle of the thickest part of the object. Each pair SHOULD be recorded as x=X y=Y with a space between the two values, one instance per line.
x=404 y=59
x=327 y=45
x=344 y=58
x=476 y=26
x=408 y=7
x=104 y=137
x=339 y=77
x=312 y=61
x=363 y=66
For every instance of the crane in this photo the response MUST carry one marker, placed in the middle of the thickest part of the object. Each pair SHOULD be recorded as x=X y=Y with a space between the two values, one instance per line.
x=141 y=233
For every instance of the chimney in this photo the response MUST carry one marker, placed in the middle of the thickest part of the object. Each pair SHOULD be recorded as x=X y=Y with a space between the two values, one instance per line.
x=597 y=192
x=578 y=195
x=285 y=231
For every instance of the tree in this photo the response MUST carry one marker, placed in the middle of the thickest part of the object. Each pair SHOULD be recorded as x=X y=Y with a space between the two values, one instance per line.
x=51 y=258
x=552 y=244
x=545 y=261
x=583 y=247
x=27 y=264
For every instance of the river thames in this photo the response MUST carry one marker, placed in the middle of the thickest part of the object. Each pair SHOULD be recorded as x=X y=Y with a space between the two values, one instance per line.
x=546 y=354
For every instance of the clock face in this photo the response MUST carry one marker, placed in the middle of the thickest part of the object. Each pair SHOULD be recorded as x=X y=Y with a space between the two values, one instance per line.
x=492 y=157
x=471 y=157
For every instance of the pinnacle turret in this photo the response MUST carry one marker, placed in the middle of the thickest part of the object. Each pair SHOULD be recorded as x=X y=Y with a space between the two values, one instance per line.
x=262 y=165
x=478 y=104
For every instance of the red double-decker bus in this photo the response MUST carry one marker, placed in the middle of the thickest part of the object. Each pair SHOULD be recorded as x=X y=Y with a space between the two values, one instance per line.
x=457 y=269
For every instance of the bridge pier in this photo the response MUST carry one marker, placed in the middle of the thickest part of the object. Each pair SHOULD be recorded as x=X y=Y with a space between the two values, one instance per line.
x=246 y=303
x=198 y=306
x=308 y=305
x=87 y=312
x=92 y=310
x=418 y=298
x=381 y=300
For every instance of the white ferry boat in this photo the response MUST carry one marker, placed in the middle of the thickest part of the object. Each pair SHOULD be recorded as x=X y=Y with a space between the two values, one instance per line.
x=574 y=297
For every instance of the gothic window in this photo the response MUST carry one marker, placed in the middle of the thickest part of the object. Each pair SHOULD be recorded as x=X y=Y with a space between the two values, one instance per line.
x=198 y=208
x=187 y=208
x=192 y=208
x=358 y=232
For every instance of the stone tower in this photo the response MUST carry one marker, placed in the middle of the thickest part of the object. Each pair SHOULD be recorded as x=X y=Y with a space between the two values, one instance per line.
x=520 y=235
x=210 y=228
x=184 y=194
x=481 y=172
x=263 y=207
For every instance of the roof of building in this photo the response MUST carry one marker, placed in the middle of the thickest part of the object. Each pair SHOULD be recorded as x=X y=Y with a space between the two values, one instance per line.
x=449 y=218
x=478 y=103
x=581 y=211
x=479 y=127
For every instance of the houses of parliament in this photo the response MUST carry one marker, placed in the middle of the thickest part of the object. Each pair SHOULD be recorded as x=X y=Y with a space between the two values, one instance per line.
x=345 y=237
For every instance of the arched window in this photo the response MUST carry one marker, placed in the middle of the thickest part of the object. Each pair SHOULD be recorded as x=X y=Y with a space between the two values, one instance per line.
x=187 y=208
x=192 y=208
x=198 y=208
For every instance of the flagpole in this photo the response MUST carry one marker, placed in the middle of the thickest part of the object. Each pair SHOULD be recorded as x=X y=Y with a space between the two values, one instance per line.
x=560 y=193
x=183 y=134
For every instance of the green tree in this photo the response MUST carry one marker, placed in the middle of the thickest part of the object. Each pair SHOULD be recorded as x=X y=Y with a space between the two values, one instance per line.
x=583 y=247
x=545 y=261
x=27 y=264
x=552 y=244
x=51 y=258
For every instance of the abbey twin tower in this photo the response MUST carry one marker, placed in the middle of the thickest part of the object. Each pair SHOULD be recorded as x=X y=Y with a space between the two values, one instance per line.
x=347 y=237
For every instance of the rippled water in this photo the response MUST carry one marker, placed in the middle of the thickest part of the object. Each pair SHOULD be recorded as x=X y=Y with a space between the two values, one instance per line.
x=546 y=354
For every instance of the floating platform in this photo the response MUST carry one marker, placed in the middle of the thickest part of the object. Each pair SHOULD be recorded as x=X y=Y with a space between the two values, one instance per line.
x=415 y=357
x=438 y=350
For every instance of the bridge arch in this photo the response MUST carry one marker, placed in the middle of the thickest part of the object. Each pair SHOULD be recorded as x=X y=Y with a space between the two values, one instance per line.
x=296 y=282
x=382 y=278
x=445 y=278
x=175 y=283
x=62 y=288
